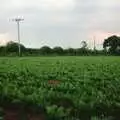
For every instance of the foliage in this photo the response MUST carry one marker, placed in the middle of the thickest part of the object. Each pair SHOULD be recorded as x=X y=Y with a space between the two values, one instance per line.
x=91 y=83
x=58 y=50
x=45 y=50
x=11 y=49
x=113 y=44
x=84 y=44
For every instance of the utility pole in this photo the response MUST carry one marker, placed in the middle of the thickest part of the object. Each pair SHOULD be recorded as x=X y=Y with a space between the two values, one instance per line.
x=94 y=43
x=18 y=20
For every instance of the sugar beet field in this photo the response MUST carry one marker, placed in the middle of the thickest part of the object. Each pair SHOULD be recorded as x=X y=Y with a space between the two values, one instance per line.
x=60 y=88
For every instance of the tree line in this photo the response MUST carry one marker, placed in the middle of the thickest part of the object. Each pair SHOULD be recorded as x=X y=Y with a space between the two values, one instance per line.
x=111 y=46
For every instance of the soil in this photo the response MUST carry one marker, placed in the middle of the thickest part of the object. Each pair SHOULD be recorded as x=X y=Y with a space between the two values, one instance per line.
x=36 y=117
x=35 y=113
x=53 y=82
x=11 y=114
x=14 y=112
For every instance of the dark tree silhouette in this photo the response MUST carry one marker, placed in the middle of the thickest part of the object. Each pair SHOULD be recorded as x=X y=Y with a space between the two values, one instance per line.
x=70 y=51
x=84 y=44
x=58 y=50
x=13 y=47
x=112 y=44
x=45 y=50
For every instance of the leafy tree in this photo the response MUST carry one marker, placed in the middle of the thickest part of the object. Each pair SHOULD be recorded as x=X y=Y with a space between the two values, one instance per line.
x=45 y=50
x=32 y=51
x=58 y=50
x=2 y=50
x=81 y=51
x=70 y=51
x=112 y=44
x=13 y=47
x=84 y=44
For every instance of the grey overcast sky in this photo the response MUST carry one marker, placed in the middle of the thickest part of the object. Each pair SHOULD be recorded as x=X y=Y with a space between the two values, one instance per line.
x=59 y=22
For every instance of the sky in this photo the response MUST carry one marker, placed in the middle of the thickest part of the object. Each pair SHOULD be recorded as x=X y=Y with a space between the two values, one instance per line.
x=62 y=23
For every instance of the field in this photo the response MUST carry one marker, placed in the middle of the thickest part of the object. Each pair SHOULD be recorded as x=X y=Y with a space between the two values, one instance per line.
x=66 y=87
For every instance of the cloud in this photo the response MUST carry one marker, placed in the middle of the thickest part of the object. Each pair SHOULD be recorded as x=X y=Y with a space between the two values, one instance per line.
x=42 y=4
x=4 y=38
x=60 y=22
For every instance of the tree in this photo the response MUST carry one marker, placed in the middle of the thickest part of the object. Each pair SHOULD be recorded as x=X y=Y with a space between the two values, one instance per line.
x=84 y=44
x=70 y=51
x=112 y=44
x=2 y=50
x=13 y=47
x=58 y=50
x=32 y=51
x=82 y=51
x=45 y=50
